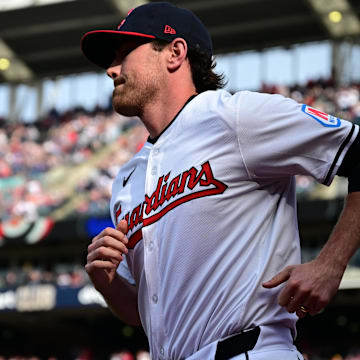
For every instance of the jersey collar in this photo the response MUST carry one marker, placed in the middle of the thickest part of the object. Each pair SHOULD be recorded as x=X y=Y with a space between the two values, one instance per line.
x=155 y=139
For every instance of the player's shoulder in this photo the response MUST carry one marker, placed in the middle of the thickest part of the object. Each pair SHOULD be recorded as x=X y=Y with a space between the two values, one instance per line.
x=251 y=105
x=214 y=101
x=242 y=105
x=224 y=98
x=255 y=99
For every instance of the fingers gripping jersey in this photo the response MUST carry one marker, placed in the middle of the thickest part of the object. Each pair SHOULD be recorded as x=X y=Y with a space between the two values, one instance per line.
x=211 y=212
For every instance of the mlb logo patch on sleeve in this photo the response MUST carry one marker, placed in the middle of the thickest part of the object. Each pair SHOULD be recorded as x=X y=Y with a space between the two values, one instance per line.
x=321 y=117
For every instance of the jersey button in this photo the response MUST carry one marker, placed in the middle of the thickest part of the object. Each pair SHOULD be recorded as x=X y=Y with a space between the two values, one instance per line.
x=151 y=246
x=162 y=351
x=153 y=170
x=156 y=151
x=155 y=298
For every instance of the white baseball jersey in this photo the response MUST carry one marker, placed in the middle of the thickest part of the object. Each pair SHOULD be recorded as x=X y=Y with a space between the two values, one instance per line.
x=211 y=211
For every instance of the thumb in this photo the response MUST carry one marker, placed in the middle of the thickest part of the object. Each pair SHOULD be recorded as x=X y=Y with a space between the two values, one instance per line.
x=279 y=278
x=122 y=226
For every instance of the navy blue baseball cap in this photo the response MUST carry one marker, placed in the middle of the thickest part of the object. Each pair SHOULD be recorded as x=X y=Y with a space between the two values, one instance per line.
x=159 y=20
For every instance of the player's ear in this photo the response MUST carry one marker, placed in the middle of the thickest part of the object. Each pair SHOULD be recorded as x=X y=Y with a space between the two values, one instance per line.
x=177 y=54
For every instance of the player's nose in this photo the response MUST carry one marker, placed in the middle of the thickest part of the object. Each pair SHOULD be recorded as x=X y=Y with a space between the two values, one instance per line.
x=113 y=71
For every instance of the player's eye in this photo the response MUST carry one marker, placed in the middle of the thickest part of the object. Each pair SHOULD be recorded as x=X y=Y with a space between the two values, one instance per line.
x=124 y=51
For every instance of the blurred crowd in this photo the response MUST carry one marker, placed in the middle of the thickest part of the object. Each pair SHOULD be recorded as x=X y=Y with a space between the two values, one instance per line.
x=30 y=151
x=62 y=275
x=343 y=102
x=98 y=181
x=70 y=138
x=353 y=354
x=87 y=354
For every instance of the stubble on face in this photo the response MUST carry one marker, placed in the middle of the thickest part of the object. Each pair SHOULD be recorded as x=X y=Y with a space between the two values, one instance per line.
x=136 y=89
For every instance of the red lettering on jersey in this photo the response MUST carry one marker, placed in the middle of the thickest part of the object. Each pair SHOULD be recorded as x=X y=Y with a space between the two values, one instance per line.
x=186 y=174
x=118 y=212
x=173 y=188
x=318 y=113
x=164 y=192
x=204 y=178
x=135 y=216
x=126 y=217
x=152 y=202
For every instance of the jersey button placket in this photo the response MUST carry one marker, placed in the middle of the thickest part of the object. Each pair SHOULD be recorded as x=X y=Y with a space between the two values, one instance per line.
x=151 y=246
x=151 y=259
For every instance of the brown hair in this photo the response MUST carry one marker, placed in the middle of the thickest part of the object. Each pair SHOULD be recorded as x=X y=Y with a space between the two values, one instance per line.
x=203 y=76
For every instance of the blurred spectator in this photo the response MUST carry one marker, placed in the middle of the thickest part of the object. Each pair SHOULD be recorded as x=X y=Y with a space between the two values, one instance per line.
x=143 y=355
x=11 y=279
x=354 y=354
x=122 y=355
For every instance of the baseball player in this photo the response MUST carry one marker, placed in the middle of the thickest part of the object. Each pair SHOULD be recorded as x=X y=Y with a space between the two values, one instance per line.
x=205 y=254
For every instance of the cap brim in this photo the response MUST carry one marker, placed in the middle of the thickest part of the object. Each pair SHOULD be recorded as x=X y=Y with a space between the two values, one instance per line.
x=99 y=46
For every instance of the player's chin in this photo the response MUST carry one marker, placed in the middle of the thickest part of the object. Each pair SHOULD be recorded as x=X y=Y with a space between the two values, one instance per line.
x=124 y=108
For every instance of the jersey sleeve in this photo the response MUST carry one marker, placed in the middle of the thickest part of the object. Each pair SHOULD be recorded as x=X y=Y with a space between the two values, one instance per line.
x=279 y=137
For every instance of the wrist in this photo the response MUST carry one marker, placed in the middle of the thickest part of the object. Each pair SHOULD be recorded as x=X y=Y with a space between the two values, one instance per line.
x=335 y=267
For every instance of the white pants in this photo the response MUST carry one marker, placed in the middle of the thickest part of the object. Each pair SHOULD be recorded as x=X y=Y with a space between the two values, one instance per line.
x=275 y=343
x=261 y=355
x=271 y=355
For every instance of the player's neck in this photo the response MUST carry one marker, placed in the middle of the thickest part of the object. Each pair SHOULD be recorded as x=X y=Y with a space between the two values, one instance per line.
x=157 y=115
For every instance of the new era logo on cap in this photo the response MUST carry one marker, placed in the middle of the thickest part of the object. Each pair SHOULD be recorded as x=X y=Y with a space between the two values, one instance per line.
x=169 y=30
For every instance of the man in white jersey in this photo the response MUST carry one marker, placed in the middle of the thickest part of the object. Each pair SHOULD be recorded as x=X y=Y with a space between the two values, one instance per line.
x=205 y=254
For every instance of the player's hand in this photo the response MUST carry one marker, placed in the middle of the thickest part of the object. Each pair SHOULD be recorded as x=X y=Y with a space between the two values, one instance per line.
x=308 y=286
x=105 y=254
